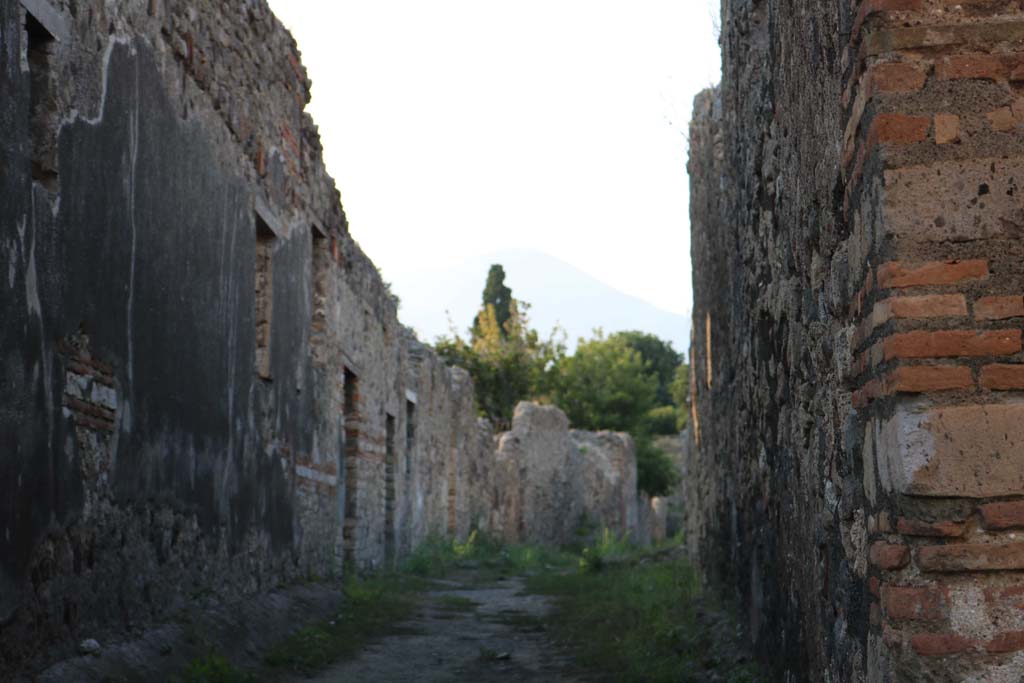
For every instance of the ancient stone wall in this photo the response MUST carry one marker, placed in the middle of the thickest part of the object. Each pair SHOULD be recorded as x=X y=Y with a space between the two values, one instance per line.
x=206 y=385
x=855 y=470
x=558 y=486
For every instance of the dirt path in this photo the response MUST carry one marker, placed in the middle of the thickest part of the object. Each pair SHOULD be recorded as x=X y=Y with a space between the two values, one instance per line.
x=465 y=631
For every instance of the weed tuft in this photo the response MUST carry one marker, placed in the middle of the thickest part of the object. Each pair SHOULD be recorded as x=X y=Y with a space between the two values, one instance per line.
x=214 y=668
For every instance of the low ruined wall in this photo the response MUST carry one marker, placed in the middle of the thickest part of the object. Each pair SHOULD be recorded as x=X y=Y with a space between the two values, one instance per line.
x=854 y=476
x=556 y=486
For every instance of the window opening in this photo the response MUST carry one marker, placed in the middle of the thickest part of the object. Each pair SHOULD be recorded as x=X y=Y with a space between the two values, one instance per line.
x=389 y=473
x=410 y=434
x=40 y=53
x=264 y=295
x=351 y=414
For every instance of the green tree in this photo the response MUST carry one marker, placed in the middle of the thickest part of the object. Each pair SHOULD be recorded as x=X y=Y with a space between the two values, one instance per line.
x=497 y=296
x=605 y=385
x=681 y=395
x=655 y=472
x=660 y=357
x=508 y=362
x=681 y=385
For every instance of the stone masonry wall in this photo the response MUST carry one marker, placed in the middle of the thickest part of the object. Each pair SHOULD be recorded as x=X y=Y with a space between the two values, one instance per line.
x=855 y=474
x=556 y=486
x=206 y=385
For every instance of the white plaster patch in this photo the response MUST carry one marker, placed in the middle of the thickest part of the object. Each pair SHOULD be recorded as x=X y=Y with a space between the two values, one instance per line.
x=103 y=395
x=32 y=301
x=12 y=266
x=868 y=458
x=971 y=451
x=314 y=475
x=125 y=417
x=906 y=445
x=967 y=613
x=76 y=386
x=880 y=455
x=854 y=538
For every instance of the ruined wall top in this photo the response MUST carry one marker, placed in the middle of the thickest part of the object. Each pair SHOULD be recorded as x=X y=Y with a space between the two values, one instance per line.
x=236 y=71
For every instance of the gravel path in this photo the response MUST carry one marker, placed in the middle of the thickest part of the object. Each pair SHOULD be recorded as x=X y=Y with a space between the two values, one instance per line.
x=465 y=632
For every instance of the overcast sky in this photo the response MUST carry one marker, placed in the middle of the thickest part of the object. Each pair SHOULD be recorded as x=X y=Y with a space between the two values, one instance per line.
x=459 y=127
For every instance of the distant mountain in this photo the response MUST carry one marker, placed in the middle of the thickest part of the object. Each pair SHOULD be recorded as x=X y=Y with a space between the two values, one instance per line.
x=558 y=293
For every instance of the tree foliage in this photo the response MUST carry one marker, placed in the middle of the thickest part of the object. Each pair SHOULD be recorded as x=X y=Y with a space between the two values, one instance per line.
x=680 y=390
x=624 y=382
x=508 y=362
x=605 y=385
x=660 y=358
x=655 y=472
x=496 y=296
x=663 y=420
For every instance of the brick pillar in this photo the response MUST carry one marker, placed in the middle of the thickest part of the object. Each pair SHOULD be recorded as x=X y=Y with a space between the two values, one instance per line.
x=933 y=156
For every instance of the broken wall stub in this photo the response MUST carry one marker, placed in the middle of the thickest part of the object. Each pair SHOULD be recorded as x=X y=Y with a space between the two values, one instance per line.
x=558 y=486
x=855 y=470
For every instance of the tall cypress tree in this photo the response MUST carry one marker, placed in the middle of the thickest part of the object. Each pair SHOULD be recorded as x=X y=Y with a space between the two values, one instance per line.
x=499 y=296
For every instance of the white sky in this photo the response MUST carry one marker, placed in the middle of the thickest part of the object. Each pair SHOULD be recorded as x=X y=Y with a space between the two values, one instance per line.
x=459 y=127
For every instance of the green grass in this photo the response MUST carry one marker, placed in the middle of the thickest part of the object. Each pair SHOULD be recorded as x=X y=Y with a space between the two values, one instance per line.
x=437 y=558
x=214 y=668
x=637 y=619
x=520 y=621
x=456 y=603
x=628 y=614
x=372 y=608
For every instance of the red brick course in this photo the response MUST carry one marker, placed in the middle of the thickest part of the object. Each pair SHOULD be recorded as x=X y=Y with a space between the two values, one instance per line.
x=952 y=344
x=1011 y=641
x=916 y=379
x=968 y=557
x=896 y=77
x=1002 y=377
x=889 y=556
x=915 y=603
x=939 y=644
x=984 y=66
x=897 y=274
x=916 y=527
x=1008 y=515
x=898 y=129
x=999 y=307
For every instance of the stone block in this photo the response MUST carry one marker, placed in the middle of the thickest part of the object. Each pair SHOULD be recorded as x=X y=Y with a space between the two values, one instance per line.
x=973 y=451
x=955 y=201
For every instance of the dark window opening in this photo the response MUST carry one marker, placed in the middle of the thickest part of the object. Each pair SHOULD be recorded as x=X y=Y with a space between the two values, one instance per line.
x=318 y=291
x=40 y=52
x=351 y=414
x=410 y=434
x=264 y=296
x=389 y=473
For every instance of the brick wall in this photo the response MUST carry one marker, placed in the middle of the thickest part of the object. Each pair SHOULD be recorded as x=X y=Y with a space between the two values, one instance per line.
x=890 y=285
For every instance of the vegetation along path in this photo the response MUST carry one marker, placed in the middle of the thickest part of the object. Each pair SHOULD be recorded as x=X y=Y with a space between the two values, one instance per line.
x=466 y=630
x=479 y=611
